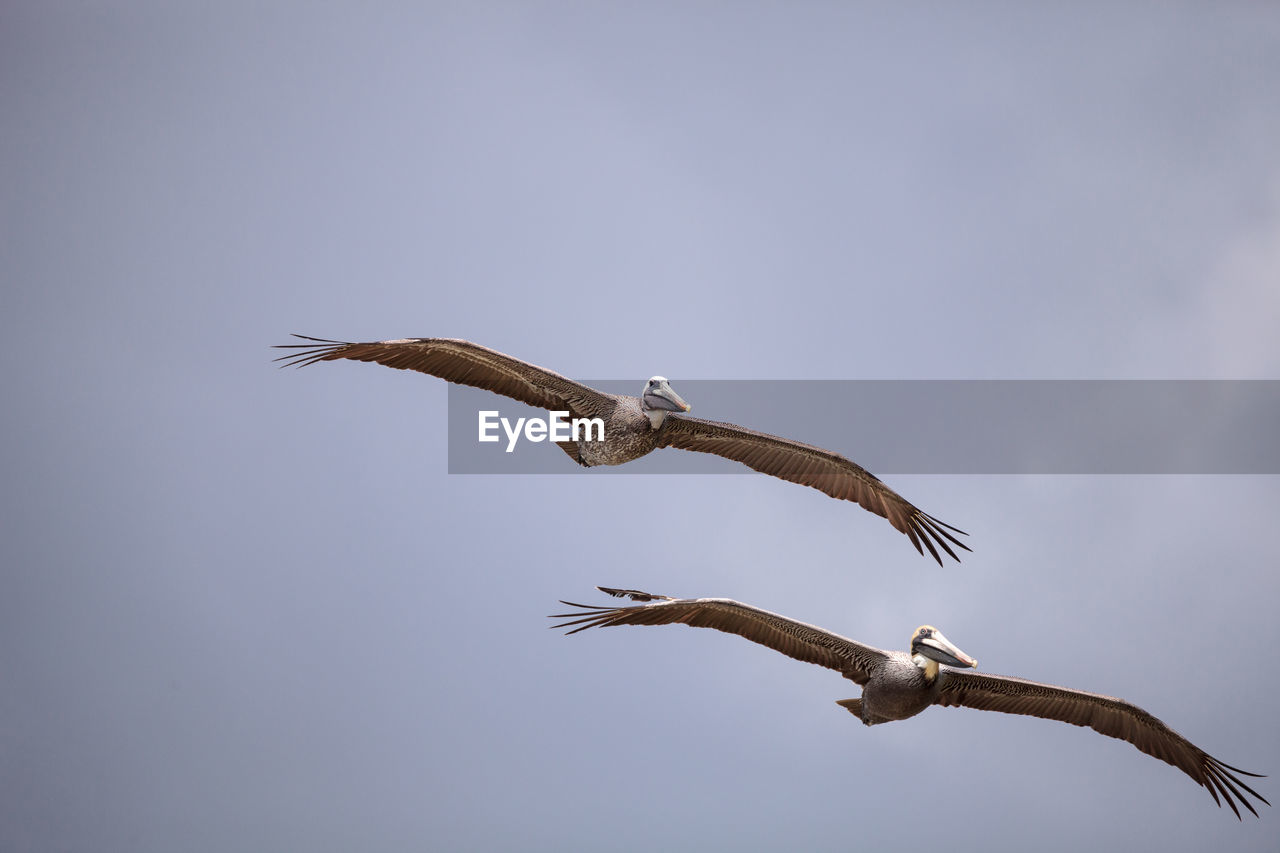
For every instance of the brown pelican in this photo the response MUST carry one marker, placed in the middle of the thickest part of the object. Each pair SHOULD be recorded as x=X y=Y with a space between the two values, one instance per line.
x=636 y=425
x=897 y=685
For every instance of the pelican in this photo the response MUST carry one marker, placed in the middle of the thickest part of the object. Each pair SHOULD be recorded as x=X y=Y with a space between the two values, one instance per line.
x=634 y=426
x=897 y=685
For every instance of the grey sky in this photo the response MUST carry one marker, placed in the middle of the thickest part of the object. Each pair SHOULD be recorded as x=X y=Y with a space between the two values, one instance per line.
x=248 y=609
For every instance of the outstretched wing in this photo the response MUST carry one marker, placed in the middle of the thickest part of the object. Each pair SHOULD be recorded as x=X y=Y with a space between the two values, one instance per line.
x=794 y=639
x=466 y=364
x=807 y=465
x=1104 y=714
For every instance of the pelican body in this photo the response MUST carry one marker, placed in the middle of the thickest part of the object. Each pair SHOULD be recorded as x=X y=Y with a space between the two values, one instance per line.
x=632 y=426
x=901 y=685
x=635 y=426
x=898 y=685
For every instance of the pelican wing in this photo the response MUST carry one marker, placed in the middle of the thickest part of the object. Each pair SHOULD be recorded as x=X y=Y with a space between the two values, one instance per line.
x=794 y=639
x=1104 y=714
x=812 y=466
x=466 y=364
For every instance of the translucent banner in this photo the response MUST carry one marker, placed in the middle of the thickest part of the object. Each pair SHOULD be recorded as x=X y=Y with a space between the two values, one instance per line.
x=923 y=426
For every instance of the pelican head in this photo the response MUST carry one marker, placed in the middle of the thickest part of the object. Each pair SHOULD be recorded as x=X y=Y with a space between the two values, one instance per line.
x=658 y=397
x=929 y=648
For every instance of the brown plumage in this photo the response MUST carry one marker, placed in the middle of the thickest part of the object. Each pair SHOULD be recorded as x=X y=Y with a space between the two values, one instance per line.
x=898 y=685
x=635 y=426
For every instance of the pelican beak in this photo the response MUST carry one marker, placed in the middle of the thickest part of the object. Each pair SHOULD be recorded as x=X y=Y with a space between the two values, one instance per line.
x=660 y=396
x=938 y=648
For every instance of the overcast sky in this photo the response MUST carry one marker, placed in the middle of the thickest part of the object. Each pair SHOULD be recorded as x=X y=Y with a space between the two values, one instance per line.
x=249 y=609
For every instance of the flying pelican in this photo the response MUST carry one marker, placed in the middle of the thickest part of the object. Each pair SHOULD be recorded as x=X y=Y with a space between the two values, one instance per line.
x=635 y=426
x=897 y=685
